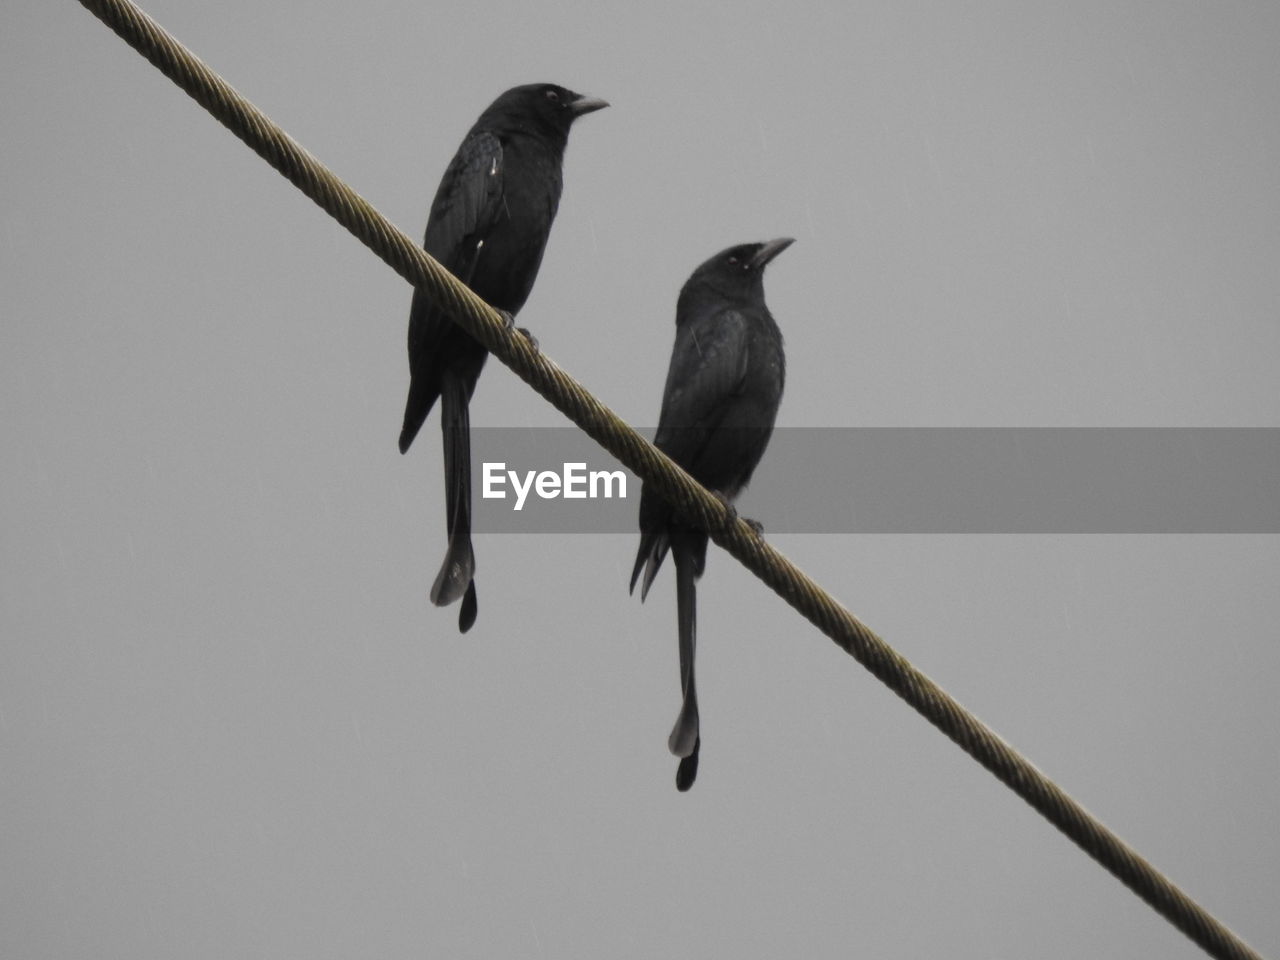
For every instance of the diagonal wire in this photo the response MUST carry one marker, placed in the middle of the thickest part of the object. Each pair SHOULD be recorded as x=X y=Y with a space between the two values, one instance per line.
x=697 y=505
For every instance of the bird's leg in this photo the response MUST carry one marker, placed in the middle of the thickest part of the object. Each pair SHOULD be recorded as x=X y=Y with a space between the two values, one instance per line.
x=732 y=512
x=729 y=508
x=509 y=321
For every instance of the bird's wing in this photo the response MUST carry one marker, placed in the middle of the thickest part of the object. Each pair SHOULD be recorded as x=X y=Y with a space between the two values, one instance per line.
x=708 y=367
x=467 y=205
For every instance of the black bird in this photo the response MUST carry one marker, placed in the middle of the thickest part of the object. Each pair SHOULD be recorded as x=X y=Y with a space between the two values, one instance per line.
x=723 y=389
x=488 y=226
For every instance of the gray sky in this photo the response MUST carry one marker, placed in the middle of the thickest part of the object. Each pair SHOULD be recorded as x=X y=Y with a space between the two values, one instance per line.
x=231 y=724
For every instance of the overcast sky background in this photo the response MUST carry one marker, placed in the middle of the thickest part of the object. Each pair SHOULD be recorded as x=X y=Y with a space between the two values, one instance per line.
x=231 y=723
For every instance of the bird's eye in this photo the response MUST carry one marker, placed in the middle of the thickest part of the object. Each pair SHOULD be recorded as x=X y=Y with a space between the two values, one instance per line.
x=732 y=261
x=553 y=96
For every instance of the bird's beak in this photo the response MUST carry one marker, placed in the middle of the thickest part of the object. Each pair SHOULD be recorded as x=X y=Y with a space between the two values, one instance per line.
x=587 y=105
x=771 y=250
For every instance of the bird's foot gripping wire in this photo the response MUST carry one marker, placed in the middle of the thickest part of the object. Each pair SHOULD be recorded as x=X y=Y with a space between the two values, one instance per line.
x=731 y=512
x=732 y=515
x=509 y=321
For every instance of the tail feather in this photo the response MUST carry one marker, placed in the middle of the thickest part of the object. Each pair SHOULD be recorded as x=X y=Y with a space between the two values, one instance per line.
x=422 y=397
x=687 y=772
x=456 y=573
x=685 y=740
x=653 y=550
x=467 y=612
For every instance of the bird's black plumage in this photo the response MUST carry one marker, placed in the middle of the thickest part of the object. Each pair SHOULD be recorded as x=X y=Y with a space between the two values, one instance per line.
x=488 y=226
x=723 y=390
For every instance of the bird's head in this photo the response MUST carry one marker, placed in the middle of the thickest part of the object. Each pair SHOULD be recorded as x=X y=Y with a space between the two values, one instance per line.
x=738 y=271
x=544 y=107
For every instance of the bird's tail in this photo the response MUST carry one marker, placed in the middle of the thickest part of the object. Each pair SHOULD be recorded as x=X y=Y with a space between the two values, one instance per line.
x=457 y=573
x=422 y=397
x=653 y=550
x=685 y=740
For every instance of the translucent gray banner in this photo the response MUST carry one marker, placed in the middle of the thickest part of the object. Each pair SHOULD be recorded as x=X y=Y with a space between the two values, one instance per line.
x=913 y=480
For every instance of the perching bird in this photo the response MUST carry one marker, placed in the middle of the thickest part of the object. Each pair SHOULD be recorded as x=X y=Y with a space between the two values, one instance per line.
x=488 y=226
x=723 y=389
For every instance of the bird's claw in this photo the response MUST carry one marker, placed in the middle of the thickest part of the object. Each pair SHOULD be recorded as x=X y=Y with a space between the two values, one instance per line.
x=509 y=321
x=730 y=510
x=732 y=515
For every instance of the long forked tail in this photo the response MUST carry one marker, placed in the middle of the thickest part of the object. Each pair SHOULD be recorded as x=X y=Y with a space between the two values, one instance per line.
x=421 y=399
x=653 y=550
x=457 y=573
x=685 y=740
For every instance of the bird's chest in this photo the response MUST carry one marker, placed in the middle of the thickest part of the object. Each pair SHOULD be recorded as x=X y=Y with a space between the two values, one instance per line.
x=531 y=185
x=765 y=373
